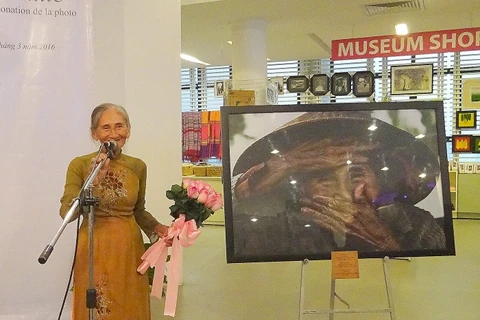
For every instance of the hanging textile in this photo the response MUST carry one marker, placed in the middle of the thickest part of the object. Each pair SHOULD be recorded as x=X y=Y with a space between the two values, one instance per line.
x=205 y=133
x=191 y=130
x=215 y=129
x=210 y=135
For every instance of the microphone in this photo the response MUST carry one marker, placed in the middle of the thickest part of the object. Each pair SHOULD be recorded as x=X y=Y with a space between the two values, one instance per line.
x=111 y=147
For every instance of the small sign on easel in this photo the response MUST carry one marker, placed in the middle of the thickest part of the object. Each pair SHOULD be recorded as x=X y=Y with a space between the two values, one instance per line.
x=345 y=265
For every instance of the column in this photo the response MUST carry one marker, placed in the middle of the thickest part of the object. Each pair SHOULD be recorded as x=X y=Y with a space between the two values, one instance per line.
x=249 y=57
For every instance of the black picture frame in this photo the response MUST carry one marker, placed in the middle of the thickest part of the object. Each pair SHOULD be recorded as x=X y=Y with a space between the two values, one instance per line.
x=412 y=79
x=264 y=219
x=297 y=84
x=319 y=84
x=363 y=84
x=341 y=84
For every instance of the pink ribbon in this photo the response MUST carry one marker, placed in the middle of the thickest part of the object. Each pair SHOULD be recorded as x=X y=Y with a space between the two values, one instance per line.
x=184 y=233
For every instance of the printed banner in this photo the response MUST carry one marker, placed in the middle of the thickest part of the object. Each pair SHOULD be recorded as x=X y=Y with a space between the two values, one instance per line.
x=45 y=97
x=454 y=40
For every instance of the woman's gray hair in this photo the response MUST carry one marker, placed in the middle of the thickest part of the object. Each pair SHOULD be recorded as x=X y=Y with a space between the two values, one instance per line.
x=100 y=109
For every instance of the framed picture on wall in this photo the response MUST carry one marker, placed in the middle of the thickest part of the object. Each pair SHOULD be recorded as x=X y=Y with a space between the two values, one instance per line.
x=477 y=168
x=476 y=144
x=411 y=79
x=466 y=119
x=277 y=210
x=219 y=88
x=341 y=84
x=297 y=84
x=319 y=84
x=462 y=143
x=363 y=84
x=471 y=94
x=278 y=82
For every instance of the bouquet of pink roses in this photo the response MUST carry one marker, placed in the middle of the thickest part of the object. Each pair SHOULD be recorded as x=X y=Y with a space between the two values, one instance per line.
x=194 y=198
x=195 y=201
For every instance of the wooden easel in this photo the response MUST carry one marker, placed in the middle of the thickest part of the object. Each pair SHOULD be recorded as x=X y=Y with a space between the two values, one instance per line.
x=332 y=310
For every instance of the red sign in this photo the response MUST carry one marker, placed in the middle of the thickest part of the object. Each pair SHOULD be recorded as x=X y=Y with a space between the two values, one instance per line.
x=455 y=40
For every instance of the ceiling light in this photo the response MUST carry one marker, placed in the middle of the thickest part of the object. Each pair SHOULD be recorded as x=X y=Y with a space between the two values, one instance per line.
x=420 y=136
x=254 y=219
x=401 y=29
x=349 y=161
x=274 y=151
x=293 y=182
x=192 y=59
x=307 y=226
x=230 y=42
x=422 y=175
x=385 y=169
x=372 y=127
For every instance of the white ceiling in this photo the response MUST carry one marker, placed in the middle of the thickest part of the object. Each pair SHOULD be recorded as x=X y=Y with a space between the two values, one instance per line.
x=293 y=25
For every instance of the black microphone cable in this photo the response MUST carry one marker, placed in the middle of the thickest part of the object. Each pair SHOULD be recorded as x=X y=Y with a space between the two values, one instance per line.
x=71 y=271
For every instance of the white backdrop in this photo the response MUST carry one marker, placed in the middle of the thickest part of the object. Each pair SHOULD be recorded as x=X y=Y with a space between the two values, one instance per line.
x=45 y=97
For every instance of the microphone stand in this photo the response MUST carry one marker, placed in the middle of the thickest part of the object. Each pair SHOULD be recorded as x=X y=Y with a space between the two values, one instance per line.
x=85 y=198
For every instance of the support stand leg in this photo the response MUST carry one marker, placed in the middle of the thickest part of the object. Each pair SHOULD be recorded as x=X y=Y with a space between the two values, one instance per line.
x=302 y=290
x=331 y=312
x=332 y=298
x=391 y=308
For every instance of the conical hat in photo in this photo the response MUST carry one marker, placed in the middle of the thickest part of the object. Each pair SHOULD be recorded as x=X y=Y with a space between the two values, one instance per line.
x=335 y=125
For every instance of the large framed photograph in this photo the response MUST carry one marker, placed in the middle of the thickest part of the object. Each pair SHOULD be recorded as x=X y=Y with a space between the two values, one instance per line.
x=341 y=83
x=363 y=84
x=297 y=84
x=471 y=94
x=302 y=181
x=319 y=84
x=411 y=79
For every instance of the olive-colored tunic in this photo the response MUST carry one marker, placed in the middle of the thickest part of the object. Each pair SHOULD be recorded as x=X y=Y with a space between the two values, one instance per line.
x=122 y=293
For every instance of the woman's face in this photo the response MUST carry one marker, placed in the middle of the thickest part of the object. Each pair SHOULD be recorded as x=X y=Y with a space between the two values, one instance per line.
x=111 y=127
x=351 y=183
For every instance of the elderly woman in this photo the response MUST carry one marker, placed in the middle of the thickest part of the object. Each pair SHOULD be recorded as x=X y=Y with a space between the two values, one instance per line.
x=122 y=293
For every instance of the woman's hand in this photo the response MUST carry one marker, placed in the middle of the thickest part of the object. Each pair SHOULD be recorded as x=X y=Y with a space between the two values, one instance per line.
x=307 y=158
x=357 y=219
x=162 y=231
x=103 y=171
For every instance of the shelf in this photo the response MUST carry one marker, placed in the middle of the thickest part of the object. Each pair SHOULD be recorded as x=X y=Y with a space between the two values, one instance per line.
x=203 y=178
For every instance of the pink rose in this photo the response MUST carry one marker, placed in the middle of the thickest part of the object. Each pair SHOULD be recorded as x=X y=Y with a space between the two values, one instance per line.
x=186 y=183
x=200 y=185
x=217 y=205
x=207 y=187
x=202 y=196
x=212 y=199
x=193 y=183
x=192 y=192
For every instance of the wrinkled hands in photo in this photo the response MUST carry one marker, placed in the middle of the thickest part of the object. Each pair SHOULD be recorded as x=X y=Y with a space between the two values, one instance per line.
x=337 y=196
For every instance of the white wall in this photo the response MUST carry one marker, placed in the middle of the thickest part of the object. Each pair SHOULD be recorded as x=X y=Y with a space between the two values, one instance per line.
x=137 y=64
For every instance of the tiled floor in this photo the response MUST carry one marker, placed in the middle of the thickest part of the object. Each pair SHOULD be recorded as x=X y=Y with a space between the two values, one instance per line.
x=427 y=288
